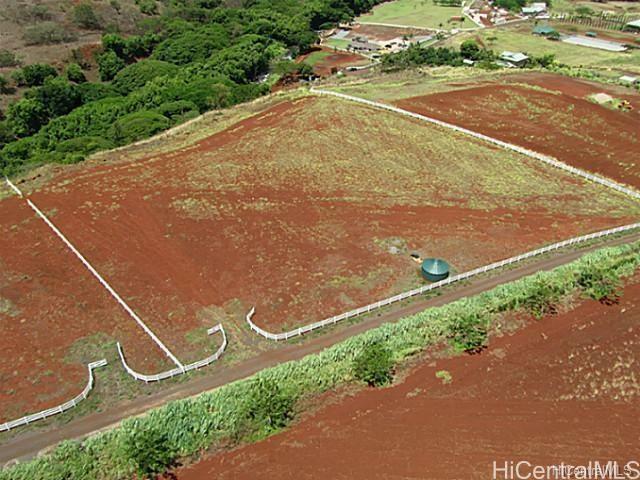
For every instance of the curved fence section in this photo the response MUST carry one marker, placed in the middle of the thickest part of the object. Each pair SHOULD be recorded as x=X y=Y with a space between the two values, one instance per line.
x=433 y=286
x=509 y=146
x=5 y=427
x=179 y=370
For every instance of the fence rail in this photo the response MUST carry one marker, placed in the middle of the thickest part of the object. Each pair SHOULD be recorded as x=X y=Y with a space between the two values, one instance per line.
x=433 y=286
x=480 y=270
x=508 y=146
x=177 y=371
x=5 y=427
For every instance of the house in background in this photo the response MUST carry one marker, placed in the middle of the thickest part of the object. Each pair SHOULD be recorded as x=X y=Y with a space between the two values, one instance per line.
x=513 y=59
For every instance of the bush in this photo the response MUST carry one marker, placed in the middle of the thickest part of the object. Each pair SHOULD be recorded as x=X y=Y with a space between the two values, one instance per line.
x=150 y=451
x=469 y=331
x=47 y=33
x=27 y=116
x=5 y=87
x=374 y=365
x=267 y=407
x=177 y=109
x=84 y=17
x=75 y=74
x=34 y=75
x=8 y=59
x=137 y=75
x=148 y=7
x=136 y=126
x=109 y=64
x=91 y=92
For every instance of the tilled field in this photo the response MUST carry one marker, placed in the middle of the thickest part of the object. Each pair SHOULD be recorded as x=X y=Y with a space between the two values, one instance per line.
x=304 y=210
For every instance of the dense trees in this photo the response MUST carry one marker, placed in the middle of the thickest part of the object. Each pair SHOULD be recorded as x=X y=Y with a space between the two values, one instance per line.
x=199 y=55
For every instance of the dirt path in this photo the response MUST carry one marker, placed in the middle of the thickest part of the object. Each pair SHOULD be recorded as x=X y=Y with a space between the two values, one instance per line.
x=29 y=444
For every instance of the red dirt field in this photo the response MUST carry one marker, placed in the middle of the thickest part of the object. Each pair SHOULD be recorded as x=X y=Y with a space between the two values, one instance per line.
x=558 y=121
x=336 y=60
x=562 y=389
x=298 y=225
x=48 y=302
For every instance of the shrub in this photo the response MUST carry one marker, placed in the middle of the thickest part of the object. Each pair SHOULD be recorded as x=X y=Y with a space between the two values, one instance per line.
x=8 y=59
x=84 y=17
x=268 y=407
x=469 y=331
x=5 y=87
x=75 y=74
x=34 y=75
x=148 y=7
x=177 y=109
x=47 y=33
x=374 y=365
x=91 y=92
x=598 y=283
x=57 y=95
x=27 y=116
x=137 y=75
x=150 y=451
x=109 y=64
x=136 y=126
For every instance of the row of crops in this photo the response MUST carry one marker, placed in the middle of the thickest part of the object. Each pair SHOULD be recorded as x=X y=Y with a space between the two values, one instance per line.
x=253 y=408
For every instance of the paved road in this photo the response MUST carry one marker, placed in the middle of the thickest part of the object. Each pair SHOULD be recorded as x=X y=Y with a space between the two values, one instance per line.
x=32 y=442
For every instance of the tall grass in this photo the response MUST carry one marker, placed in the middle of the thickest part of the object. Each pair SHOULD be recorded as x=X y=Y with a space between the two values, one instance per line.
x=238 y=411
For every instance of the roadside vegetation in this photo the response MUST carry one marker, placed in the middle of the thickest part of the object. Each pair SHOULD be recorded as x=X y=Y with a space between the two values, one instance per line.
x=194 y=57
x=267 y=402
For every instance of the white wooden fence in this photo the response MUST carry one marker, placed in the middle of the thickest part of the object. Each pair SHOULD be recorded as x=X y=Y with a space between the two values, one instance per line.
x=463 y=276
x=433 y=286
x=508 y=146
x=178 y=371
x=5 y=427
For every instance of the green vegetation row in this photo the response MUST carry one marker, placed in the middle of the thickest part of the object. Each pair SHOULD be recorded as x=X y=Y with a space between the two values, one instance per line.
x=420 y=55
x=256 y=407
x=197 y=56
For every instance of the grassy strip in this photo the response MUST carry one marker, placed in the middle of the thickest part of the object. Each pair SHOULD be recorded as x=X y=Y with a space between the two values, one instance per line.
x=256 y=407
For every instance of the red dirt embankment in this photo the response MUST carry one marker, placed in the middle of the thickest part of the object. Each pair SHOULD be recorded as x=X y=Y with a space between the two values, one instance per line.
x=562 y=389
x=559 y=121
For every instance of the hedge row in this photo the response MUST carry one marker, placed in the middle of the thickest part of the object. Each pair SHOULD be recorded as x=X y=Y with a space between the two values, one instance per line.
x=238 y=411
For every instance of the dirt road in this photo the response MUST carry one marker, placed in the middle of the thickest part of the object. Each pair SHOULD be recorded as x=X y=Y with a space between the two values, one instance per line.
x=32 y=442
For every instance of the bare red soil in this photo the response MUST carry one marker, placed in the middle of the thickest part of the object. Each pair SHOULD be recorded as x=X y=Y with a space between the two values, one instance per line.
x=50 y=302
x=562 y=389
x=335 y=61
x=197 y=236
x=558 y=121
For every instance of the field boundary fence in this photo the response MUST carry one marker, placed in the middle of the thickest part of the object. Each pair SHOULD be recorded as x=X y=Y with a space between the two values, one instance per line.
x=177 y=371
x=472 y=273
x=26 y=420
x=433 y=286
x=97 y=275
x=508 y=146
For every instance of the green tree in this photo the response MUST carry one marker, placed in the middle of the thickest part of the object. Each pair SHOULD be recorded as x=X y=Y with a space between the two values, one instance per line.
x=268 y=406
x=84 y=17
x=138 y=125
x=109 y=64
x=150 y=451
x=75 y=74
x=374 y=365
x=57 y=95
x=34 y=75
x=470 y=49
x=27 y=116
x=138 y=74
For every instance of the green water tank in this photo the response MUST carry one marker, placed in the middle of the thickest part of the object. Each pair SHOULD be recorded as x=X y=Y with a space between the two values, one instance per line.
x=435 y=269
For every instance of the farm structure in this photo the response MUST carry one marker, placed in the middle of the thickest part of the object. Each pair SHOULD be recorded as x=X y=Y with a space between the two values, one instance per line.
x=191 y=239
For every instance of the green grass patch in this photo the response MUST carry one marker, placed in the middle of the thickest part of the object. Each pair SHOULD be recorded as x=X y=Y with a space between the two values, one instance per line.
x=417 y=13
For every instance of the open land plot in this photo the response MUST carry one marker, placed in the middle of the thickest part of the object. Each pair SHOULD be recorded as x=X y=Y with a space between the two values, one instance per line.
x=325 y=60
x=548 y=114
x=305 y=209
x=414 y=13
x=570 y=381
x=54 y=318
x=518 y=38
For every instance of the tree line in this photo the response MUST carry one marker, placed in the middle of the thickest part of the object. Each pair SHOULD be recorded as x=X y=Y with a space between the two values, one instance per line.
x=197 y=56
